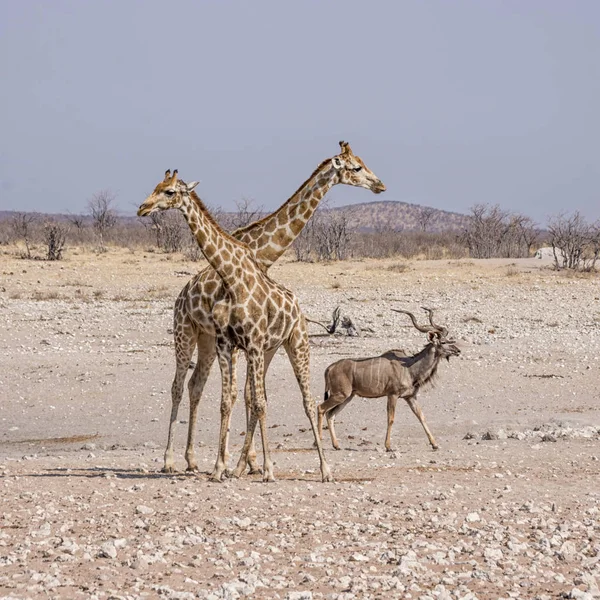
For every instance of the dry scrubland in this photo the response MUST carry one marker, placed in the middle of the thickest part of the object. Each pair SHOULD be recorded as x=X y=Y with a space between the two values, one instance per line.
x=507 y=508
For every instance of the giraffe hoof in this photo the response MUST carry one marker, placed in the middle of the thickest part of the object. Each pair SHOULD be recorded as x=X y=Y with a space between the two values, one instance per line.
x=168 y=469
x=255 y=471
x=192 y=469
x=268 y=478
x=336 y=448
x=435 y=447
x=236 y=473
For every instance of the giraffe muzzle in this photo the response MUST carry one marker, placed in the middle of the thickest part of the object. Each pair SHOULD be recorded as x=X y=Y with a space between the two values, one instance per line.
x=144 y=210
x=378 y=186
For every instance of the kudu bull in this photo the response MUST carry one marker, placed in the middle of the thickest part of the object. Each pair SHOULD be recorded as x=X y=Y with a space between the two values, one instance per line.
x=393 y=374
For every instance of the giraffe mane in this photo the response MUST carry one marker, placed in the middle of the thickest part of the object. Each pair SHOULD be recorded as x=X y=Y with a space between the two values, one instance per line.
x=212 y=220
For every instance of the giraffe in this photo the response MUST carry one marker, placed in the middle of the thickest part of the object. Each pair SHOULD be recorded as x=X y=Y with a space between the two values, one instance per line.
x=268 y=238
x=256 y=315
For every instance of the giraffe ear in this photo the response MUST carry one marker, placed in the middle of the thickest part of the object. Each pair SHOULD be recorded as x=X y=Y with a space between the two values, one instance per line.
x=337 y=162
x=192 y=185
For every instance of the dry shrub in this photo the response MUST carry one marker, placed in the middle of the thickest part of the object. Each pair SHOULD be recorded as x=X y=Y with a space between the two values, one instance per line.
x=399 y=267
x=45 y=295
x=387 y=243
x=55 y=237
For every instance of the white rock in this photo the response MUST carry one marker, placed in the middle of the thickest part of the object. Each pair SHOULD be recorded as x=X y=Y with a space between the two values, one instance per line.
x=108 y=550
x=143 y=510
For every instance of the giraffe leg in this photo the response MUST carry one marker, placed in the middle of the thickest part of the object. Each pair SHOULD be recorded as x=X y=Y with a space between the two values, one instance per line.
x=256 y=372
x=391 y=412
x=414 y=406
x=224 y=355
x=298 y=351
x=184 y=349
x=234 y=361
x=206 y=357
x=252 y=463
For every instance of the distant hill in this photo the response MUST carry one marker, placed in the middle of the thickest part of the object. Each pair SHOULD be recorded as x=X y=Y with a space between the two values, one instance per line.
x=377 y=216
x=365 y=217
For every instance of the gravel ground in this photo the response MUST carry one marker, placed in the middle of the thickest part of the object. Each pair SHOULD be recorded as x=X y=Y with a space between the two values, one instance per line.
x=507 y=508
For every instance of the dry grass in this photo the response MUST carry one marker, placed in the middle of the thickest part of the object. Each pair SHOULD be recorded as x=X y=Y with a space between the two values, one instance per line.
x=45 y=295
x=399 y=267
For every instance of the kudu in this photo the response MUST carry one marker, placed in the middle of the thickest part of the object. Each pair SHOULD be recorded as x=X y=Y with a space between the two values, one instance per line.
x=393 y=374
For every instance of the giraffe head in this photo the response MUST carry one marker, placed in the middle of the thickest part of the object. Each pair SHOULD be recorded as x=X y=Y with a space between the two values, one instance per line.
x=169 y=193
x=352 y=170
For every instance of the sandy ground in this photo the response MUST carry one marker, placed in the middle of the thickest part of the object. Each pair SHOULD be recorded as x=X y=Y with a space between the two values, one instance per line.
x=507 y=508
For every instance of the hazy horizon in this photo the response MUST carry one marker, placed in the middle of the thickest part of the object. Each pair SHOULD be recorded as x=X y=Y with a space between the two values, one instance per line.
x=450 y=104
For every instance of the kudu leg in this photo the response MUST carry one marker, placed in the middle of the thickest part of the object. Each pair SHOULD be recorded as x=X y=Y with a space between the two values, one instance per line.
x=391 y=412
x=338 y=402
x=414 y=406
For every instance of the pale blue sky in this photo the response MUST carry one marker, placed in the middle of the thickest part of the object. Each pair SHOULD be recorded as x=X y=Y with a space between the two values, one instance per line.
x=450 y=102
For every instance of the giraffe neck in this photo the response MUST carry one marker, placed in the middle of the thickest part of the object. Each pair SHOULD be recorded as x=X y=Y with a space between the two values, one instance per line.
x=270 y=237
x=223 y=252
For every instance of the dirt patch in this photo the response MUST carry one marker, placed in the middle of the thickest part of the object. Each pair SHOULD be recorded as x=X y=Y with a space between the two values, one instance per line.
x=508 y=508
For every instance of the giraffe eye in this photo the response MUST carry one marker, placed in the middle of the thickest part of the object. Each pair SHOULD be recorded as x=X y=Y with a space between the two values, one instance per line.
x=357 y=169
x=169 y=192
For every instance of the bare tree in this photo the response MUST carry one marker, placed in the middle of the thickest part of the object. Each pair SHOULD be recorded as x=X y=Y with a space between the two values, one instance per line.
x=332 y=236
x=425 y=216
x=103 y=215
x=496 y=233
x=78 y=221
x=325 y=237
x=575 y=243
x=153 y=223
x=22 y=225
x=246 y=212
x=527 y=231
x=55 y=237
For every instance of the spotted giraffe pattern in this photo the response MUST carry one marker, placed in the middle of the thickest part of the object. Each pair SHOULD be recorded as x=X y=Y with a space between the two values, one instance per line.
x=269 y=238
x=255 y=314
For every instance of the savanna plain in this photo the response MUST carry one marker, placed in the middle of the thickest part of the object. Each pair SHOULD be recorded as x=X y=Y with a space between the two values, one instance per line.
x=508 y=507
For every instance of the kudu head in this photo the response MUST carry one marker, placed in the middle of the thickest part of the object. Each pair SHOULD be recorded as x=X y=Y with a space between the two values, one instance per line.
x=437 y=335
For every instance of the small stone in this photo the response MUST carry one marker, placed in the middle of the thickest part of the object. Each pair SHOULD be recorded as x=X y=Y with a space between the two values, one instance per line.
x=472 y=517
x=108 y=550
x=143 y=510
